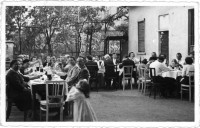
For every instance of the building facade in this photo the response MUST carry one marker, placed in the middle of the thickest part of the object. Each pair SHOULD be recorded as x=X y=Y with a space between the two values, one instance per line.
x=161 y=29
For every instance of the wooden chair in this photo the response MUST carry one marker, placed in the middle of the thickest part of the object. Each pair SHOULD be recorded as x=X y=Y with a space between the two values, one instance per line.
x=54 y=98
x=93 y=76
x=189 y=87
x=155 y=85
x=140 y=78
x=127 y=75
x=143 y=80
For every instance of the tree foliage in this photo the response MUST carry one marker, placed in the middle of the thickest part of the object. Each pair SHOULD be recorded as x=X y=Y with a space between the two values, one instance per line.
x=61 y=28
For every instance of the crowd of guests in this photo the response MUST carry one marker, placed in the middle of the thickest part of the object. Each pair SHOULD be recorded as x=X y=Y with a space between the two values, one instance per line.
x=73 y=70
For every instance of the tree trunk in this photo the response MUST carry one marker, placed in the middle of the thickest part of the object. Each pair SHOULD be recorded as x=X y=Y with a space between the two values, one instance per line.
x=49 y=47
x=90 y=43
x=20 y=42
x=86 y=43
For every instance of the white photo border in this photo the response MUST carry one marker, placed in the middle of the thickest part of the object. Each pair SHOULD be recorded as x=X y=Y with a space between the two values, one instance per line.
x=5 y=3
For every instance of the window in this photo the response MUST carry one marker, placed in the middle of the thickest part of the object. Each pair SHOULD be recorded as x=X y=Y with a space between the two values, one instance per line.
x=141 y=36
x=190 y=30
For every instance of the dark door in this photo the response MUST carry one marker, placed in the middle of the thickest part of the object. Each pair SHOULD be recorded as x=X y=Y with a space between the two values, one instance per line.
x=164 y=41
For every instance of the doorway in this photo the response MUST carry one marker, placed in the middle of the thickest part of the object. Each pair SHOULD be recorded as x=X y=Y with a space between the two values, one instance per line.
x=164 y=43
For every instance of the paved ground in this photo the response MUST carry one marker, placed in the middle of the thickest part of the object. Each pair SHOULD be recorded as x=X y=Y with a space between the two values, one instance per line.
x=131 y=105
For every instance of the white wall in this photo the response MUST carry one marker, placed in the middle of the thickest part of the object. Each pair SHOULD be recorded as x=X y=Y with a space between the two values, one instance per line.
x=178 y=29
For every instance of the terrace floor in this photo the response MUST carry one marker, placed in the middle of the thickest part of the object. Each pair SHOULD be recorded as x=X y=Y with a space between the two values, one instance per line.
x=132 y=106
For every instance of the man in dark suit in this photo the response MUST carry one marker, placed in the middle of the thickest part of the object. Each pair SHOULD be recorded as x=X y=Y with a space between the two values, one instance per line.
x=127 y=62
x=17 y=89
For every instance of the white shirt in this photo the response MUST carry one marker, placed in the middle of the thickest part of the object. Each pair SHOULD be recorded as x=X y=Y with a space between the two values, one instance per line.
x=160 y=67
x=186 y=69
x=181 y=62
x=114 y=61
x=136 y=60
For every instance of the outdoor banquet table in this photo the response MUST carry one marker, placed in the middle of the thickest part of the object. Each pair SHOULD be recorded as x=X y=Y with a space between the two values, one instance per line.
x=38 y=90
x=172 y=74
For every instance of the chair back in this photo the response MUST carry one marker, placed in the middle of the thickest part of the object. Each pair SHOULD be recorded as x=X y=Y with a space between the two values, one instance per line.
x=55 y=91
x=191 y=78
x=128 y=70
x=152 y=72
x=142 y=73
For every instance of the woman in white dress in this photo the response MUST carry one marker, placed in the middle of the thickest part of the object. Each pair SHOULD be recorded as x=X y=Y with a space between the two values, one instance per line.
x=83 y=110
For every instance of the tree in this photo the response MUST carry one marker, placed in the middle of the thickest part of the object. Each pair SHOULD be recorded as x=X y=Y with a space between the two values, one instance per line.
x=47 y=19
x=15 y=21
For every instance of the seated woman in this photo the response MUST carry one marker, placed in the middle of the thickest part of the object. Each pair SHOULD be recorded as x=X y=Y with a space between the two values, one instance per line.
x=174 y=65
x=184 y=78
x=143 y=65
x=186 y=69
x=47 y=62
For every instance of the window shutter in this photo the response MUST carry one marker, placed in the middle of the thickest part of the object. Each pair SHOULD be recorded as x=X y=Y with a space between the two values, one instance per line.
x=141 y=34
x=190 y=30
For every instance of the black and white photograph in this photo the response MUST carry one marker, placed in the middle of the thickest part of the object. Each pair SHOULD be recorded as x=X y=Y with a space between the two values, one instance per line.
x=99 y=63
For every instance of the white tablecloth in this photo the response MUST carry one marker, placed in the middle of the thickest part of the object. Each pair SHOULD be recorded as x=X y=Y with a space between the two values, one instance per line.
x=172 y=74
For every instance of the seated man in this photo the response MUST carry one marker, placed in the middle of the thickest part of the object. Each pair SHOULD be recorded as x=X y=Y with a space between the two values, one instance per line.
x=17 y=89
x=23 y=67
x=72 y=73
x=128 y=62
x=83 y=71
x=166 y=84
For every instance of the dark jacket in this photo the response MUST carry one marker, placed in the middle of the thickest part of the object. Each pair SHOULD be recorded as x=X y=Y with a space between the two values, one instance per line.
x=93 y=68
x=17 y=90
x=15 y=83
x=127 y=62
x=109 y=68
